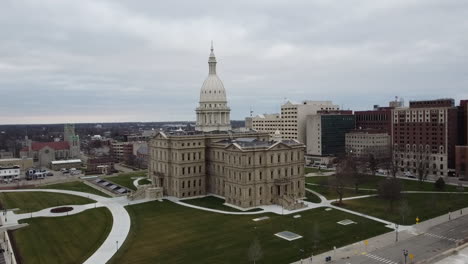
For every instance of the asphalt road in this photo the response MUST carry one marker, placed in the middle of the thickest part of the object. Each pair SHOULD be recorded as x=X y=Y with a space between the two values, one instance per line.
x=434 y=241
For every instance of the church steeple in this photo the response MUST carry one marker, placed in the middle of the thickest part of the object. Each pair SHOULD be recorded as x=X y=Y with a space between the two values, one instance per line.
x=212 y=61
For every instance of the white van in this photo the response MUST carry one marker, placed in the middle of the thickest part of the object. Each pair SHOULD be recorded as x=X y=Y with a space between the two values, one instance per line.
x=408 y=174
x=40 y=175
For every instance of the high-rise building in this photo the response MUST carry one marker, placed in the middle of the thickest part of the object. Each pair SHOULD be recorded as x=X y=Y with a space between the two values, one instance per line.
x=269 y=123
x=362 y=143
x=463 y=123
x=326 y=132
x=424 y=136
x=294 y=117
x=379 y=118
x=461 y=161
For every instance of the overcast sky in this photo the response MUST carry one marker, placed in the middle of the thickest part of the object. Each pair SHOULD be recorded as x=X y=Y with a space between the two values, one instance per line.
x=105 y=61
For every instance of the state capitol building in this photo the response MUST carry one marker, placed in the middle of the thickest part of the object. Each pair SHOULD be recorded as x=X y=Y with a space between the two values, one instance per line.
x=247 y=169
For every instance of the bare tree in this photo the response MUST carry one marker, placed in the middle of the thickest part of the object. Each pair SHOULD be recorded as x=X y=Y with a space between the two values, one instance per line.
x=422 y=165
x=392 y=163
x=405 y=211
x=255 y=251
x=390 y=189
x=372 y=163
x=341 y=177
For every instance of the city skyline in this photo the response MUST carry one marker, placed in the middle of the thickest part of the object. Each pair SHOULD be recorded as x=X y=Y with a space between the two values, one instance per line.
x=102 y=61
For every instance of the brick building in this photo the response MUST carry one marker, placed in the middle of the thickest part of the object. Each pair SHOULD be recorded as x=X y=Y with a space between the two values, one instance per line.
x=424 y=135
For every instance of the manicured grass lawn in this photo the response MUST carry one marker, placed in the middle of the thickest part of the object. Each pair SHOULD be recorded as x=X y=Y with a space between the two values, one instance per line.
x=330 y=193
x=35 y=201
x=164 y=232
x=144 y=181
x=315 y=170
x=67 y=239
x=424 y=206
x=74 y=186
x=372 y=182
x=125 y=179
x=312 y=198
x=214 y=203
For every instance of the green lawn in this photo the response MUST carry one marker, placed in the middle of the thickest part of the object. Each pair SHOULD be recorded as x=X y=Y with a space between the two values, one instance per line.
x=144 y=181
x=74 y=186
x=312 y=197
x=214 y=203
x=372 y=182
x=405 y=211
x=164 y=232
x=67 y=239
x=35 y=201
x=315 y=170
x=125 y=179
x=331 y=194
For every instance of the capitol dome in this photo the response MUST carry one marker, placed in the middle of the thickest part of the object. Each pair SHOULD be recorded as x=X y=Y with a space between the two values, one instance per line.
x=213 y=113
x=212 y=89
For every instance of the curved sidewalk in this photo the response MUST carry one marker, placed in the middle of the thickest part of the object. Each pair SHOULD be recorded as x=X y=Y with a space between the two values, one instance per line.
x=120 y=226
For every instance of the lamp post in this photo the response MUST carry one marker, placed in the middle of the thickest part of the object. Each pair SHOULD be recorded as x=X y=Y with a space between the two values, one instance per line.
x=405 y=253
x=116 y=245
x=396 y=232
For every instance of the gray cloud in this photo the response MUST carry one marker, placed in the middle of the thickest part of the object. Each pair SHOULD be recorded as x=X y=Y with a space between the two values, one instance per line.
x=98 y=60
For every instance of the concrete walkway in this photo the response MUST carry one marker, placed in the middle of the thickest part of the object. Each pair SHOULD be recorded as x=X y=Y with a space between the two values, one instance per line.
x=120 y=226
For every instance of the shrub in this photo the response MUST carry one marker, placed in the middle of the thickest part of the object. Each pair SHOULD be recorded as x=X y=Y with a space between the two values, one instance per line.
x=440 y=184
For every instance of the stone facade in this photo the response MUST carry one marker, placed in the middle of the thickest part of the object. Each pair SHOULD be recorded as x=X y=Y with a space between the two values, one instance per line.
x=365 y=142
x=245 y=168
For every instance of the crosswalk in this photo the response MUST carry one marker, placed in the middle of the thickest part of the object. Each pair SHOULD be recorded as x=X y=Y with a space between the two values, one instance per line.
x=380 y=259
x=440 y=237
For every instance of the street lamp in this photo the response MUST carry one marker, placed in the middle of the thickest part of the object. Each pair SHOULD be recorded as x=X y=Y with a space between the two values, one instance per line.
x=405 y=253
x=116 y=245
x=396 y=232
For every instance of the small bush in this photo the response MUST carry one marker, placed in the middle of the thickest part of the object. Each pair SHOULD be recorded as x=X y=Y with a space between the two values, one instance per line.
x=439 y=184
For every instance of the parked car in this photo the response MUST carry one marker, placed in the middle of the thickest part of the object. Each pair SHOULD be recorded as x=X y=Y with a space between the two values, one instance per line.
x=409 y=174
x=381 y=172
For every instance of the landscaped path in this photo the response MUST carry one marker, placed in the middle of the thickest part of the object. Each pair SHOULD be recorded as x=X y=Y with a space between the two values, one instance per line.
x=120 y=226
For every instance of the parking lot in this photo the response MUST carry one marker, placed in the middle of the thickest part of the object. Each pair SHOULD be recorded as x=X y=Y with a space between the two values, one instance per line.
x=57 y=177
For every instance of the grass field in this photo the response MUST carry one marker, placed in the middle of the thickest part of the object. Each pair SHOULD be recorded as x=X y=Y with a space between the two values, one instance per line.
x=35 y=201
x=312 y=197
x=372 y=182
x=405 y=211
x=214 y=203
x=144 y=181
x=67 y=239
x=331 y=194
x=74 y=186
x=164 y=232
x=125 y=179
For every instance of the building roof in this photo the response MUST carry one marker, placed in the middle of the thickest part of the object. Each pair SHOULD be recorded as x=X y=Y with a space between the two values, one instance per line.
x=244 y=143
x=60 y=145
